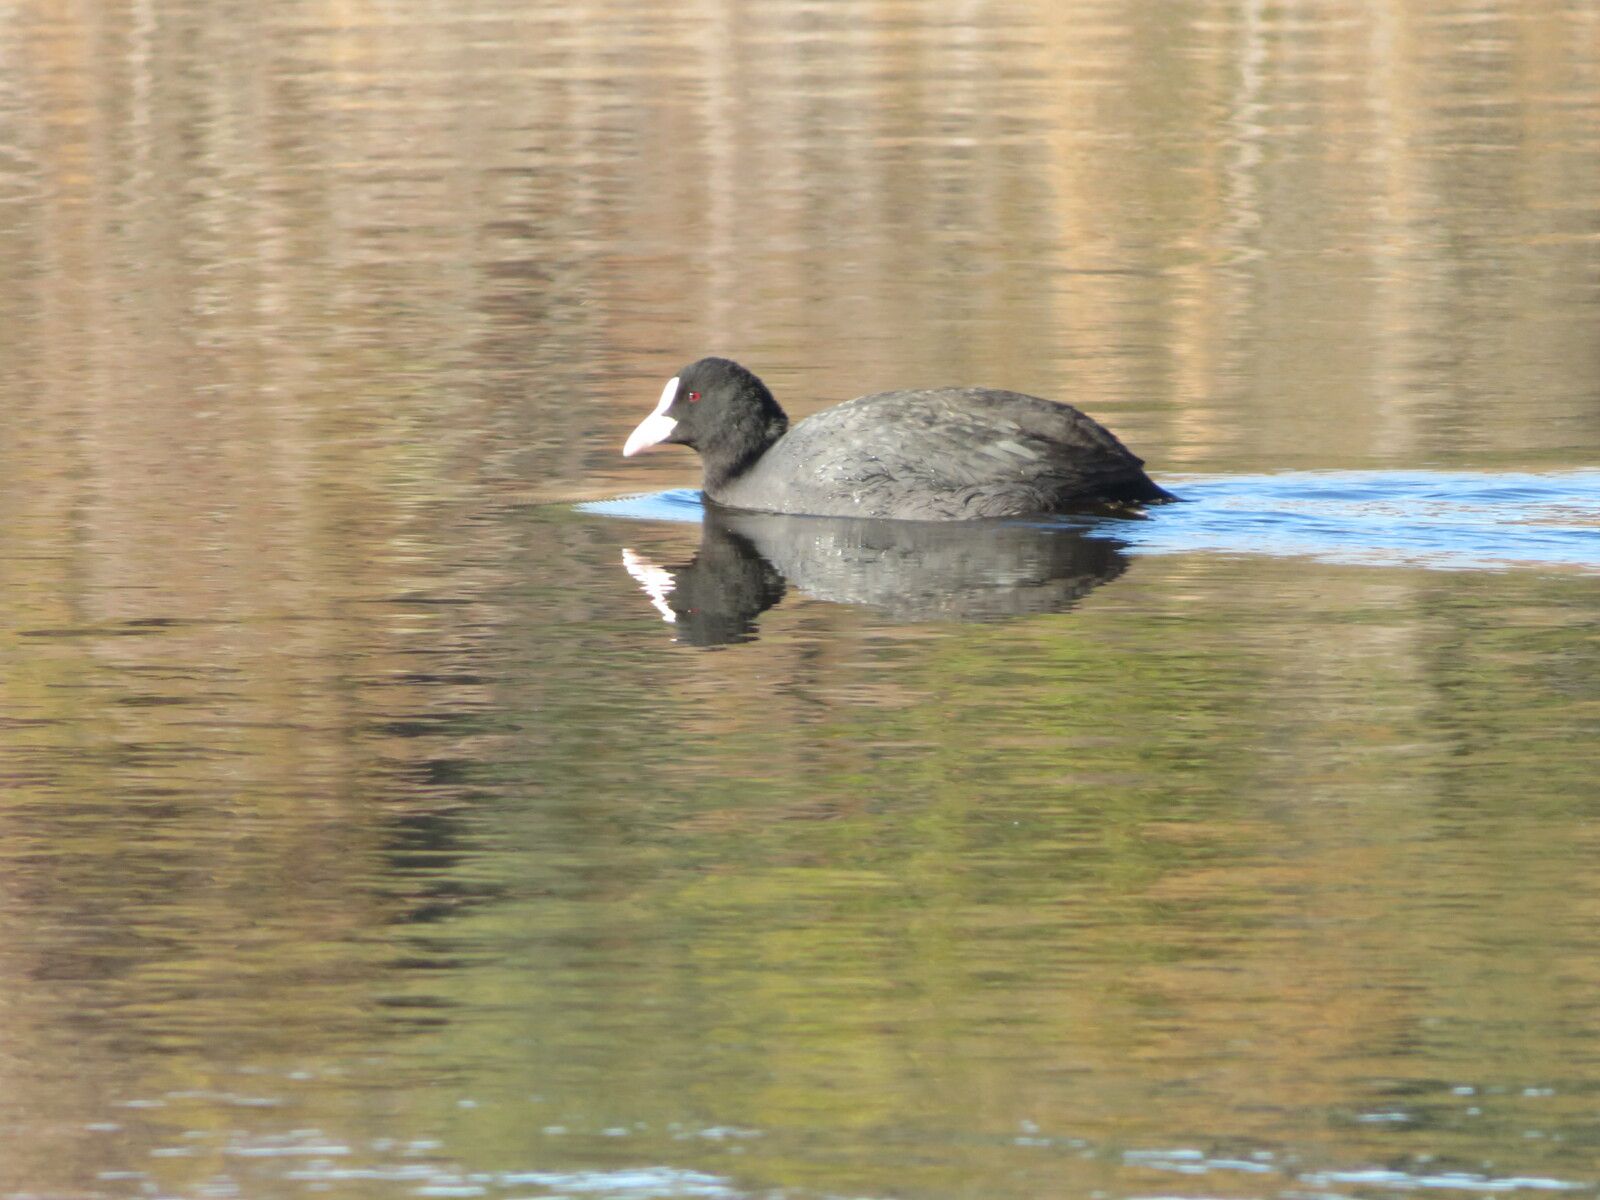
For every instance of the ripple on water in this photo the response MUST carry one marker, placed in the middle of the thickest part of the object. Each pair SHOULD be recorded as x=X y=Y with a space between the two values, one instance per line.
x=439 y=1178
x=1434 y=519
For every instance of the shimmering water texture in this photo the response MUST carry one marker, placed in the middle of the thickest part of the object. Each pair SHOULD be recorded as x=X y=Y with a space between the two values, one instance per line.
x=321 y=1163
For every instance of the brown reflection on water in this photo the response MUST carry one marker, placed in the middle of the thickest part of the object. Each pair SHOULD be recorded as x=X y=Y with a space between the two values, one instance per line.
x=339 y=772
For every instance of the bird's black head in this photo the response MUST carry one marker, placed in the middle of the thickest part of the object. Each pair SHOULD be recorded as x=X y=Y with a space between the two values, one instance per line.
x=718 y=409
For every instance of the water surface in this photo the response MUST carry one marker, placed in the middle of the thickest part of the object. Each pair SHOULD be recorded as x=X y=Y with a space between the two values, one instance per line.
x=366 y=828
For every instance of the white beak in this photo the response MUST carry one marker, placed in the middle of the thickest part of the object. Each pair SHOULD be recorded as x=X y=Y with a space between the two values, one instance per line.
x=655 y=428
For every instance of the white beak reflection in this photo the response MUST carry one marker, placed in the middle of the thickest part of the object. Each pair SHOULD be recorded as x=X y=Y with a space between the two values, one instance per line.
x=656 y=582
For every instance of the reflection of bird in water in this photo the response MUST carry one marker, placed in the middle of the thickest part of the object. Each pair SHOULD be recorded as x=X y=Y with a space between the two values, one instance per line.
x=715 y=598
x=913 y=571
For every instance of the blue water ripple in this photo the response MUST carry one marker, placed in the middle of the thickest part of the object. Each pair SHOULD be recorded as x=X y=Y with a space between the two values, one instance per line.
x=1434 y=519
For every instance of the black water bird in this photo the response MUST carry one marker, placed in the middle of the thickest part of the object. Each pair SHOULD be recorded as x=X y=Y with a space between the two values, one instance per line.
x=941 y=454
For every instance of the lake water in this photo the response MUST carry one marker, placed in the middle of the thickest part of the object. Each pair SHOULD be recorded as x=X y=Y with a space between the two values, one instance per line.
x=405 y=796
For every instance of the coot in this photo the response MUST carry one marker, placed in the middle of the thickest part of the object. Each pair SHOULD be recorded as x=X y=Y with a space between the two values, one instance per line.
x=944 y=454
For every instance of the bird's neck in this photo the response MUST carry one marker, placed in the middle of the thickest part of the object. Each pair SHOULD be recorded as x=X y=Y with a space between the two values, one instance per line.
x=732 y=456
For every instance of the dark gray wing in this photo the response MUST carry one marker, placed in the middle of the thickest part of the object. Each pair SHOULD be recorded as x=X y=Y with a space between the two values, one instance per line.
x=950 y=452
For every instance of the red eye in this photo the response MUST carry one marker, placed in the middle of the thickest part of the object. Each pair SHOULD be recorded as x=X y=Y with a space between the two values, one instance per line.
x=693 y=397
